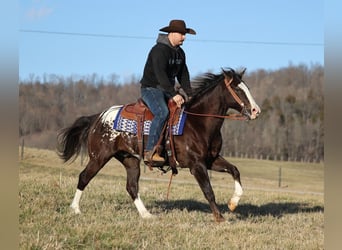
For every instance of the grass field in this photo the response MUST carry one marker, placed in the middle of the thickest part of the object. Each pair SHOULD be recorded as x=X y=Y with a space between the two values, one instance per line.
x=268 y=217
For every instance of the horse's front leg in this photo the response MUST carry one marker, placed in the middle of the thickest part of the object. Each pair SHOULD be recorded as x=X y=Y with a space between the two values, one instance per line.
x=132 y=166
x=201 y=175
x=222 y=165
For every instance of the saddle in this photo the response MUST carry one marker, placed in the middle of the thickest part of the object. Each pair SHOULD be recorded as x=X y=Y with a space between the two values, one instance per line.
x=139 y=112
x=133 y=110
x=138 y=109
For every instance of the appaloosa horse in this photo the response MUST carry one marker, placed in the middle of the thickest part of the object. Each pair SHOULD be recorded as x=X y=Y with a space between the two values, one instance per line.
x=198 y=148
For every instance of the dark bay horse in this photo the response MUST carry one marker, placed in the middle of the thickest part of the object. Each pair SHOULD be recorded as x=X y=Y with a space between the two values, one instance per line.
x=198 y=148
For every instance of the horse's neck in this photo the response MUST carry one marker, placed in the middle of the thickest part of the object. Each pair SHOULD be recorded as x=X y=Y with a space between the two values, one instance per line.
x=211 y=102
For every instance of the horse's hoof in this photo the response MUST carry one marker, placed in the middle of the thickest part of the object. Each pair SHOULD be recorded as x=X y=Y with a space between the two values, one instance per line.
x=231 y=206
x=75 y=210
x=220 y=219
x=147 y=216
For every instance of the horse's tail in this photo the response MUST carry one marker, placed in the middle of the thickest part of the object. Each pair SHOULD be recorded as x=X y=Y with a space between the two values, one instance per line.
x=71 y=139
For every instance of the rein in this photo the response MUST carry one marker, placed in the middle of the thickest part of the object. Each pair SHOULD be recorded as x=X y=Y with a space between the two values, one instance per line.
x=232 y=116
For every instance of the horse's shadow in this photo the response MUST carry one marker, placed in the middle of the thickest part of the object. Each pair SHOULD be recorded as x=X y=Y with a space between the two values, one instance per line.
x=246 y=210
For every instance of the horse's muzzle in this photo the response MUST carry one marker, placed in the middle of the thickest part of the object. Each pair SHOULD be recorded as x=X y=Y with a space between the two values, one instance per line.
x=255 y=112
x=251 y=114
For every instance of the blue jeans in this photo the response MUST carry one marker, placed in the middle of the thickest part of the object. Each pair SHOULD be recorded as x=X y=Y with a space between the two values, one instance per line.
x=156 y=101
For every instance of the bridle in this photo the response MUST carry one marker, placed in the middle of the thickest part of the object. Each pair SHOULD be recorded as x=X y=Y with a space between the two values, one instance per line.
x=231 y=116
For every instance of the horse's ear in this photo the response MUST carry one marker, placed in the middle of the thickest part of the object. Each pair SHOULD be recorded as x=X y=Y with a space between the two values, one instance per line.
x=242 y=72
x=227 y=74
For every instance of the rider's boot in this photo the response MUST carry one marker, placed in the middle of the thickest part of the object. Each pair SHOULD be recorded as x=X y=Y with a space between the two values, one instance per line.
x=153 y=156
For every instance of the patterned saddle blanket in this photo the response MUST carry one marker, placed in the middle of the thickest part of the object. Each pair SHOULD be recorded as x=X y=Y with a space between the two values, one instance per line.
x=127 y=119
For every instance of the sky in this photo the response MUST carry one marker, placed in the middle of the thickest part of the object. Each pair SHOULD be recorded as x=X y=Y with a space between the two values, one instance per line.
x=80 y=38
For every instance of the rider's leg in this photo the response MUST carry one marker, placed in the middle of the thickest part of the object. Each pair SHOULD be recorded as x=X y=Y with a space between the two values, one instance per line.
x=156 y=101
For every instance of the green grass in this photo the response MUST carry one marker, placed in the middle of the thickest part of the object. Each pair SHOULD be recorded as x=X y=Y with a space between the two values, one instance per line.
x=268 y=217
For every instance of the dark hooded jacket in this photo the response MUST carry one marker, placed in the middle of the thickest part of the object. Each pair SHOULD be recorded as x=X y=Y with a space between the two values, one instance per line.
x=164 y=64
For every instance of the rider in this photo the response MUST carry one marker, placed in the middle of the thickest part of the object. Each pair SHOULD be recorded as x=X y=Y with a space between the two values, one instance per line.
x=165 y=63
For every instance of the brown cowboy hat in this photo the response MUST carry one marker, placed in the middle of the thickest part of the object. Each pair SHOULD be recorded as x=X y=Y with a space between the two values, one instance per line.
x=178 y=26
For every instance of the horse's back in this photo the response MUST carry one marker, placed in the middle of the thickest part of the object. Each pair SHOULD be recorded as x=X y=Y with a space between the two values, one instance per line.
x=108 y=116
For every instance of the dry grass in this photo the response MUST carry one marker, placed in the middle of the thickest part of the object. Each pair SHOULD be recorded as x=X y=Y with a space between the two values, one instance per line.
x=268 y=217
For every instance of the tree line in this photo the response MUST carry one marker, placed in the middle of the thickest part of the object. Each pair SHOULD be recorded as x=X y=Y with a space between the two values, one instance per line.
x=290 y=126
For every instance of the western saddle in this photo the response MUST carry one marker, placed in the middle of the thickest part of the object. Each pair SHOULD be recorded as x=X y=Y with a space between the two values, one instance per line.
x=139 y=112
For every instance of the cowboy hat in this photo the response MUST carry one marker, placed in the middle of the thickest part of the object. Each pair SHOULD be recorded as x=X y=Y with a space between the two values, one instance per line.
x=178 y=26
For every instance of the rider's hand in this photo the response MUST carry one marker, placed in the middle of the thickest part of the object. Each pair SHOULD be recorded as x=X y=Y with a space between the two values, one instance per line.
x=178 y=99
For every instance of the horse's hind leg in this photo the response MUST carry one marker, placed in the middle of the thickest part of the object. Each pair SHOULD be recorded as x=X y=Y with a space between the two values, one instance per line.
x=132 y=166
x=92 y=168
x=221 y=165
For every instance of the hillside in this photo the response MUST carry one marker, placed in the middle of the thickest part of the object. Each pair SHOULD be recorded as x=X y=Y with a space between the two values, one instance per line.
x=290 y=126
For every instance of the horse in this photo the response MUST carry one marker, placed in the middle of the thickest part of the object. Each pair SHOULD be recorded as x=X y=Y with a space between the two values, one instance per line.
x=198 y=148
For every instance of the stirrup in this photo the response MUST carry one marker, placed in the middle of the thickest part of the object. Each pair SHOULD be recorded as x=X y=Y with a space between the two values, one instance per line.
x=153 y=158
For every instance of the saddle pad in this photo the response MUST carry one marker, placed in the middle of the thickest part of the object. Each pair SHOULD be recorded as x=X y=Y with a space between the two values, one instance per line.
x=128 y=125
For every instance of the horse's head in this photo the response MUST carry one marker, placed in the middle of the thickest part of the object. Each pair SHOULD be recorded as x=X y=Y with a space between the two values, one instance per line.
x=243 y=100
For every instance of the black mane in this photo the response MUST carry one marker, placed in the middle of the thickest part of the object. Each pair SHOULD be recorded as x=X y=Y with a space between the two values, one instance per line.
x=201 y=84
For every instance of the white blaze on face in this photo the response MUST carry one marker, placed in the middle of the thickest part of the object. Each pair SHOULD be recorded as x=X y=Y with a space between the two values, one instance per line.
x=255 y=109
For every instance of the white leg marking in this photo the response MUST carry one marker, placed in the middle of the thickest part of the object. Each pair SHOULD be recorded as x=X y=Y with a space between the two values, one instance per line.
x=237 y=194
x=75 y=205
x=234 y=201
x=141 y=208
